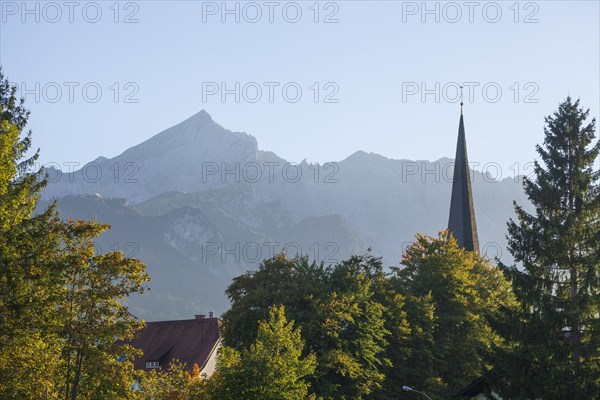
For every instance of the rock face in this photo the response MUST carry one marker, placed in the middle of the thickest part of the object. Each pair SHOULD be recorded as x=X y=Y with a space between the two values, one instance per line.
x=172 y=160
x=201 y=204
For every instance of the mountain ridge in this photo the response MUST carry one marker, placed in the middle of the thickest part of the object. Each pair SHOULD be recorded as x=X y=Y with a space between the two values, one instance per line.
x=201 y=202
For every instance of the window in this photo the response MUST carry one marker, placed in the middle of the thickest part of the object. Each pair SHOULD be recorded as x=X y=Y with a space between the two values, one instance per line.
x=152 y=364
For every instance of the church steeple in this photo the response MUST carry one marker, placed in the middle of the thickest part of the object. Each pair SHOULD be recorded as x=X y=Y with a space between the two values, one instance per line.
x=462 y=214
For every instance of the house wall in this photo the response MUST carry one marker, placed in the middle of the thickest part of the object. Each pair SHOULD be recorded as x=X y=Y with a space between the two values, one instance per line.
x=482 y=396
x=211 y=364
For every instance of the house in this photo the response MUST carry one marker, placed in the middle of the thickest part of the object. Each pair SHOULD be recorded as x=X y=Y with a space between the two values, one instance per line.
x=479 y=389
x=190 y=341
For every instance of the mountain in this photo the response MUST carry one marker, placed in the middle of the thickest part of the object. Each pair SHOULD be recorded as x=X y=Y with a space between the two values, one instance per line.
x=171 y=160
x=201 y=204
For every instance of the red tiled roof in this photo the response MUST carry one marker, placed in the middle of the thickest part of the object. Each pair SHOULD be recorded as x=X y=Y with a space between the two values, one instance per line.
x=191 y=341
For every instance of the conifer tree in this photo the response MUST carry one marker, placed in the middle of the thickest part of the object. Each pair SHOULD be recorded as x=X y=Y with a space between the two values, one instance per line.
x=62 y=307
x=557 y=348
x=28 y=255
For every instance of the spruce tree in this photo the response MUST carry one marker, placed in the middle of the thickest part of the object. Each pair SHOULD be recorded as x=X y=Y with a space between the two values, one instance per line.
x=29 y=245
x=557 y=353
x=62 y=307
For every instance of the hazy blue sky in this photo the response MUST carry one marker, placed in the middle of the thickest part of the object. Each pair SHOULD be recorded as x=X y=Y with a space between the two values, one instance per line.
x=373 y=58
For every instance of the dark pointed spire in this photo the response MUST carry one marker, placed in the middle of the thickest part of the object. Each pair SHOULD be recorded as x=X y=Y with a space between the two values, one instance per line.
x=462 y=214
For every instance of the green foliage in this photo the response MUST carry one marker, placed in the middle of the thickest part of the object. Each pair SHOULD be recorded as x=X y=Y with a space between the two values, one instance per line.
x=92 y=315
x=454 y=300
x=432 y=324
x=350 y=336
x=28 y=248
x=272 y=368
x=396 y=323
x=176 y=383
x=61 y=306
x=556 y=346
x=447 y=317
x=342 y=322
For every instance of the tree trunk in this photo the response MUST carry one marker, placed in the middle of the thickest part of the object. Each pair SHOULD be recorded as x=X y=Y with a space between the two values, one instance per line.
x=575 y=336
x=78 y=366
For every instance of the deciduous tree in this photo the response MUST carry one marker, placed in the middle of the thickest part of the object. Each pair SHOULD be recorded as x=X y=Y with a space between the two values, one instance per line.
x=272 y=368
x=454 y=301
x=336 y=307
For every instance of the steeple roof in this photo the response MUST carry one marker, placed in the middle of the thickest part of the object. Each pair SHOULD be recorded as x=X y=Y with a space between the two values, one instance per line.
x=462 y=222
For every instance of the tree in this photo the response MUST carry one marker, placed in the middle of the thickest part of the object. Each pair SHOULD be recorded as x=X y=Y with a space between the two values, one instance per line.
x=337 y=309
x=272 y=368
x=94 y=318
x=558 y=282
x=350 y=339
x=293 y=283
x=62 y=307
x=395 y=326
x=28 y=269
x=454 y=299
x=175 y=383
